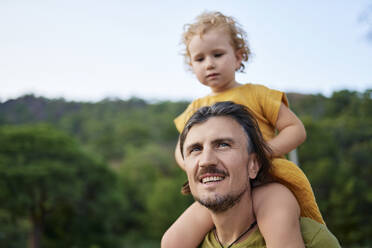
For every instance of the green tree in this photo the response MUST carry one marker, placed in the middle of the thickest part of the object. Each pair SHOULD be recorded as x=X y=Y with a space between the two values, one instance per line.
x=337 y=159
x=152 y=182
x=47 y=179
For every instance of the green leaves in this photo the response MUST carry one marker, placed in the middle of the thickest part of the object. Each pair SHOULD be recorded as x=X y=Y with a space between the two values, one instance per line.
x=337 y=159
x=44 y=174
x=117 y=184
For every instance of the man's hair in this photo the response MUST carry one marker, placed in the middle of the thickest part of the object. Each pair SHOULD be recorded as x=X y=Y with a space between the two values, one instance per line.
x=255 y=141
x=216 y=20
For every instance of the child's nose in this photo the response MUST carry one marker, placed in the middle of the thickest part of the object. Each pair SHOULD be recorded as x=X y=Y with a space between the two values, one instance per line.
x=210 y=64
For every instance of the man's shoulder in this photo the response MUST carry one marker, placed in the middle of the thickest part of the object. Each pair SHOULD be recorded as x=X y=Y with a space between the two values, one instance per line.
x=317 y=235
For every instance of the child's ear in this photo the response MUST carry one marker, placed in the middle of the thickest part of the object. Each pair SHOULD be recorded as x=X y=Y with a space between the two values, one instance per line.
x=239 y=58
x=253 y=166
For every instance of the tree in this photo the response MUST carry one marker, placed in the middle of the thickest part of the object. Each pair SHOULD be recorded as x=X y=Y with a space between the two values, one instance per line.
x=337 y=159
x=153 y=184
x=44 y=174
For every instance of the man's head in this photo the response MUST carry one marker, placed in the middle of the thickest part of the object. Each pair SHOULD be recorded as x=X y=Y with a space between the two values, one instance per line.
x=224 y=154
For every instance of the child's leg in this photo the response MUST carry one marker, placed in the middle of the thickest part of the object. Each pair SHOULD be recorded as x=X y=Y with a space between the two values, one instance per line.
x=291 y=176
x=278 y=216
x=189 y=229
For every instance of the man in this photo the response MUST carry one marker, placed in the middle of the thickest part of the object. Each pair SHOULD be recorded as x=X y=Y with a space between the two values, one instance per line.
x=224 y=157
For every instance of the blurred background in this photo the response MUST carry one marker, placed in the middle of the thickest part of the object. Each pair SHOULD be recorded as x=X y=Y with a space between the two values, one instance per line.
x=89 y=91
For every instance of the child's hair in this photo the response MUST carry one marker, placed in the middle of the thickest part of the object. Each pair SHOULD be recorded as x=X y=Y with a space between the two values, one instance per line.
x=210 y=20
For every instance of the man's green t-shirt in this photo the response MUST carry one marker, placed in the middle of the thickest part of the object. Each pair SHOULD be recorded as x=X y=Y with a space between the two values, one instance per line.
x=315 y=235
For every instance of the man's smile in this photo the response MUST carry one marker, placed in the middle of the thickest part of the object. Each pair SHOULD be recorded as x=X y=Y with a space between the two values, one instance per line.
x=207 y=178
x=211 y=174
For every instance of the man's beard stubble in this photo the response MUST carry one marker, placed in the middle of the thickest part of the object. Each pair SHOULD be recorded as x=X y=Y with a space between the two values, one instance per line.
x=222 y=203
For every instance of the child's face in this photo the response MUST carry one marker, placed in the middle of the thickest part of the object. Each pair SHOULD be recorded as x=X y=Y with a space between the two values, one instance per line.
x=214 y=60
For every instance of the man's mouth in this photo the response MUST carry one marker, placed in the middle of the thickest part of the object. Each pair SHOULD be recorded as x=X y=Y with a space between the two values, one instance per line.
x=210 y=179
x=211 y=174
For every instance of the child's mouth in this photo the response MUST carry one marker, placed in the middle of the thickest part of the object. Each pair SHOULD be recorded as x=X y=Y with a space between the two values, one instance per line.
x=213 y=75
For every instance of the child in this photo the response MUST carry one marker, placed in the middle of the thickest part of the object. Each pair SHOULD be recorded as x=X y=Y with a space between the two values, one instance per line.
x=216 y=48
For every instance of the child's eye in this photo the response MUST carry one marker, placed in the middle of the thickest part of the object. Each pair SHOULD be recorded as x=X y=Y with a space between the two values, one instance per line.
x=200 y=59
x=217 y=55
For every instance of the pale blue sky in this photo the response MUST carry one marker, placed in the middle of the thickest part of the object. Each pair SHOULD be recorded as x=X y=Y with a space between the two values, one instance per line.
x=89 y=50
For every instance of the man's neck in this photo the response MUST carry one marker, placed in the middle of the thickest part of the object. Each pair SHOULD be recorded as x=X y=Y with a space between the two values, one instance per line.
x=231 y=223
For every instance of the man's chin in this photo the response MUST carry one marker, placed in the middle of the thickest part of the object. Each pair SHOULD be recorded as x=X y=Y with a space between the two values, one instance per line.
x=219 y=203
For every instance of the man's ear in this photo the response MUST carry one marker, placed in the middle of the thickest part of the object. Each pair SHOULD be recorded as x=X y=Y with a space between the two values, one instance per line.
x=253 y=166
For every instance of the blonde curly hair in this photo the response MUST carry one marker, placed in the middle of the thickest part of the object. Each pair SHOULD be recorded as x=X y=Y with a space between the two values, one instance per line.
x=212 y=20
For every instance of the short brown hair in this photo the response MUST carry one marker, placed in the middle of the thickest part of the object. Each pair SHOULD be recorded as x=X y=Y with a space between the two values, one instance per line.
x=209 y=20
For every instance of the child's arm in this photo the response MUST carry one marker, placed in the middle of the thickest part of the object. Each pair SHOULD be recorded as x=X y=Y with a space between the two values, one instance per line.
x=189 y=229
x=278 y=216
x=291 y=132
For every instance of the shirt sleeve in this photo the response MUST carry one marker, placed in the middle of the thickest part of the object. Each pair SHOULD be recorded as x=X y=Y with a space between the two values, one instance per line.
x=324 y=238
x=181 y=120
x=317 y=235
x=270 y=101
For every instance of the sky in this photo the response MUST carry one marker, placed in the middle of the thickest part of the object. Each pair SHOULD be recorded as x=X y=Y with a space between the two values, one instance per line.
x=88 y=50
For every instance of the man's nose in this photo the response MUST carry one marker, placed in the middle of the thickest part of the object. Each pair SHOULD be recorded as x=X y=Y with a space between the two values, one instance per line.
x=207 y=158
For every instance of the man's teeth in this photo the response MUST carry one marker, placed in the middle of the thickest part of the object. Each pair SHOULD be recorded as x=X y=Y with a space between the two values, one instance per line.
x=211 y=179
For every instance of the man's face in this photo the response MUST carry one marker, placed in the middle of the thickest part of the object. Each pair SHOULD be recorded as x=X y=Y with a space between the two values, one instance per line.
x=217 y=162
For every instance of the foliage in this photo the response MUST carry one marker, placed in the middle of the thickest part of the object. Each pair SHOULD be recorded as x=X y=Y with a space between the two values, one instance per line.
x=65 y=194
x=132 y=197
x=153 y=188
x=337 y=159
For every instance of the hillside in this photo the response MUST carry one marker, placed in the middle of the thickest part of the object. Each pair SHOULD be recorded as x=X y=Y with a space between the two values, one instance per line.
x=136 y=139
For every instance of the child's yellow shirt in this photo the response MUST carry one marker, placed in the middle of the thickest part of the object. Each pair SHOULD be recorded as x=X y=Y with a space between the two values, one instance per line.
x=264 y=103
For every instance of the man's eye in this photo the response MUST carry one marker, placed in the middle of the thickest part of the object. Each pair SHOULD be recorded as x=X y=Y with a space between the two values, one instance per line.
x=223 y=145
x=195 y=149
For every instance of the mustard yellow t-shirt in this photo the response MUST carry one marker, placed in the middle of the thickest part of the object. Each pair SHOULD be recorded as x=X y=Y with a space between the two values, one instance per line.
x=264 y=104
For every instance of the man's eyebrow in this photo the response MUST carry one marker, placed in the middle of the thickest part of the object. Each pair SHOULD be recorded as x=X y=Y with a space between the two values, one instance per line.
x=221 y=140
x=215 y=141
x=192 y=145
